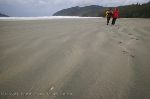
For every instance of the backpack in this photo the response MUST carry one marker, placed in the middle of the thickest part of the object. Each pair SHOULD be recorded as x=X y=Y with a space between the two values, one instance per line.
x=109 y=14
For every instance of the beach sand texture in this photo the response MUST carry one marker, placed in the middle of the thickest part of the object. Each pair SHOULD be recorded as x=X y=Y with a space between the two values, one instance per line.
x=75 y=59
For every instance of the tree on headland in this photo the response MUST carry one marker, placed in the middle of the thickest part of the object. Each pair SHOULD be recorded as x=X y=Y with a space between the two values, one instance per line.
x=135 y=11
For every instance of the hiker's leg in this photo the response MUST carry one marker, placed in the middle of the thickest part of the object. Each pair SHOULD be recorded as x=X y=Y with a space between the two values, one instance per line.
x=114 y=20
x=108 y=19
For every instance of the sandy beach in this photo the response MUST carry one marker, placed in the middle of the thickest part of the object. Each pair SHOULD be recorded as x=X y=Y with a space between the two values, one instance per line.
x=75 y=59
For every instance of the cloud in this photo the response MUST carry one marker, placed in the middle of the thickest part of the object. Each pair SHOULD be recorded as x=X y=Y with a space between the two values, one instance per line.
x=72 y=2
x=57 y=3
x=48 y=7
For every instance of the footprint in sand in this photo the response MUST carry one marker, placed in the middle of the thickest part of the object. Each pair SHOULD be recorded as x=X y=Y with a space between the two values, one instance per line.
x=130 y=34
x=120 y=42
x=132 y=56
x=125 y=52
x=134 y=38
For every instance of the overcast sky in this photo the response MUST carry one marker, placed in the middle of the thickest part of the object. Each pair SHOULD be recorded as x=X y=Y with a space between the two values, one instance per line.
x=48 y=7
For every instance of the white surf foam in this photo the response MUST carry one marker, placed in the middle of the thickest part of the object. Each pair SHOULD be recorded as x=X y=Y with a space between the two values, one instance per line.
x=43 y=18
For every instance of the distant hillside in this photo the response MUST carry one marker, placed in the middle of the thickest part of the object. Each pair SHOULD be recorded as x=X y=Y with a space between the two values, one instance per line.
x=89 y=11
x=3 y=15
x=128 y=11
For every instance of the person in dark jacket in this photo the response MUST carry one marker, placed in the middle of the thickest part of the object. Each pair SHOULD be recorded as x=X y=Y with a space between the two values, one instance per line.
x=108 y=15
x=115 y=15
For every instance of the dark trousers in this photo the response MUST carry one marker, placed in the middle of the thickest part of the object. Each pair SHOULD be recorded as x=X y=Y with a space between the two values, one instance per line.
x=113 y=21
x=108 y=19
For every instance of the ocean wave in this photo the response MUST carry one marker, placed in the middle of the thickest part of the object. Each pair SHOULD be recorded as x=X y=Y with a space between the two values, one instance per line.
x=43 y=18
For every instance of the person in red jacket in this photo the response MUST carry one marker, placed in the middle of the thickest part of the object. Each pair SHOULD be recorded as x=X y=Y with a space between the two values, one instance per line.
x=115 y=15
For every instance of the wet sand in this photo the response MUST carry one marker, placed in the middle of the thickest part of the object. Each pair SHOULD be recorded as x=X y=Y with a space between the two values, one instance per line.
x=75 y=59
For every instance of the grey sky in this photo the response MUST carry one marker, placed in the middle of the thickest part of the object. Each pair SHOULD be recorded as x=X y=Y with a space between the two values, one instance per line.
x=48 y=7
